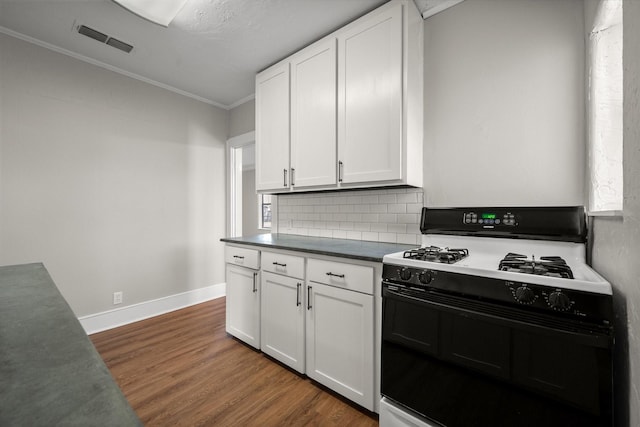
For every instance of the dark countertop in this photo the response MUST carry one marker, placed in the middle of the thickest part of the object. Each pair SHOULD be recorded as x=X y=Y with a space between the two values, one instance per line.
x=344 y=248
x=50 y=372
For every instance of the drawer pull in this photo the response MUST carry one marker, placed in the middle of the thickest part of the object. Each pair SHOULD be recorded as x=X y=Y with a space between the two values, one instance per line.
x=279 y=264
x=238 y=257
x=335 y=275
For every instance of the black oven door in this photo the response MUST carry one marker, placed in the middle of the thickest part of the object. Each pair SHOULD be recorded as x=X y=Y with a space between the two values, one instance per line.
x=468 y=363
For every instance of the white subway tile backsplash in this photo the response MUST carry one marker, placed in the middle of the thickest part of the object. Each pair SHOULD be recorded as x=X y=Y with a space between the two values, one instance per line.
x=362 y=226
x=378 y=208
x=370 y=217
x=407 y=198
x=372 y=199
x=384 y=215
x=354 y=217
x=387 y=237
x=339 y=234
x=379 y=226
x=413 y=229
x=409 y=239
x=408 y=218
x=354 y=235
x=397 y=208
x=370 y=236
x=414 y=208
x=388 y=218
x=387 y=198
x=397 y=228
x=326 y=233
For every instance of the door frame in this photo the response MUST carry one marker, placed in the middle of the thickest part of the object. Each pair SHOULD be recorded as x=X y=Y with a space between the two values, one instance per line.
x=234 y=181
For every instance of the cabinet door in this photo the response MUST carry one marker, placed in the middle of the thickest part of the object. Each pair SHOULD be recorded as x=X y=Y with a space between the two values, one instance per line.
x=272 y=128
x=243 y=304
x=370 y=99
x=282 y=319
x=339 y=341
x=313 y=115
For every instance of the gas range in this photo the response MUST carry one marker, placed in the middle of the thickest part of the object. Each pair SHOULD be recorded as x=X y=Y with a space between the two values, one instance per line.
x=530 y=257
x=499 y=312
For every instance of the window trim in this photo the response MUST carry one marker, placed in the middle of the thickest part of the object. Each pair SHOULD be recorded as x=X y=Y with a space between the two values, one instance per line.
x=608 y=18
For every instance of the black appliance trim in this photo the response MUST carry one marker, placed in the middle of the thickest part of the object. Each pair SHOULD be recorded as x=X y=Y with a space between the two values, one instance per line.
x=561 y=223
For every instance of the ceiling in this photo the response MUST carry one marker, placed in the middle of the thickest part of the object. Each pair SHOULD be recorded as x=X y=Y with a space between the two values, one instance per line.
x=211 y=51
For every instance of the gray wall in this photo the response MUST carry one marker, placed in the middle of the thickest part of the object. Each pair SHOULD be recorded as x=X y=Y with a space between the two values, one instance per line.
x=114 y=184
x=504 y=104
x=616 y=241
x=242 y=119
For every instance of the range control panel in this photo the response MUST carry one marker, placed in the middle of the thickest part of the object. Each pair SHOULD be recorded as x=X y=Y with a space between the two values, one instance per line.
x=565 y=223
x=489 y=218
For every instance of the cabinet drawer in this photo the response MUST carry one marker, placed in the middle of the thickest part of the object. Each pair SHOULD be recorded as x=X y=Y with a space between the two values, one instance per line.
x=349 y=276
x=288 y=265
x=240 y=256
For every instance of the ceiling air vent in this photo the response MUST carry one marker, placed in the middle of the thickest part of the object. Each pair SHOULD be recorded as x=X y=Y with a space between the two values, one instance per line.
x=103 y=38
x=119 y=45
x=90 y=32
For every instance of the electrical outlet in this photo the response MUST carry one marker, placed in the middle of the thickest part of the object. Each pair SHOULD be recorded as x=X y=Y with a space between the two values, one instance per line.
x=117 y=298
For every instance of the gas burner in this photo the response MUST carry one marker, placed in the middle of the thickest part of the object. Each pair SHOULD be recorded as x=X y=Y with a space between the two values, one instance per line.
x=553 y=266
x=437 y=254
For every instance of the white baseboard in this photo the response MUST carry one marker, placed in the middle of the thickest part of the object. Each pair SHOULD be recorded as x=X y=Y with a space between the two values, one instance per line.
x=132 y=313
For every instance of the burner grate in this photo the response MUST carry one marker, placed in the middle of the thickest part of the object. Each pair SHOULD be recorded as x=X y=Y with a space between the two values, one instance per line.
x=553 y=266
x=436 y=254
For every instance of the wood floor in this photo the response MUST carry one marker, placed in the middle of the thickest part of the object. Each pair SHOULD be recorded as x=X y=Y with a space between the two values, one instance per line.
x=182 y=369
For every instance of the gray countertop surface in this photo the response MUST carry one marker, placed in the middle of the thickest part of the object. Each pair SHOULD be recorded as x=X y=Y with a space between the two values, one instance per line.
x=50 y=372
x=344 y=248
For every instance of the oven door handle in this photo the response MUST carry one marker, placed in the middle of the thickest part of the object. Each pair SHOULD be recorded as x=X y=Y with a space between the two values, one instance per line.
x=510 y=317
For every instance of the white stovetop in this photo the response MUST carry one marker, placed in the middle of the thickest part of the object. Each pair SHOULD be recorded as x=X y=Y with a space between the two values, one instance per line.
x=485 y=255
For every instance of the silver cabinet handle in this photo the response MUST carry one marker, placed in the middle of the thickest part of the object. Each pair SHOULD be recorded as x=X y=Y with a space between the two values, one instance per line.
x=279 y=264
x=308 y=297
x=340 y=167
x=285 y=177
x=298 y=294
x=335 y=275
x=255 y=286
x=293 y=177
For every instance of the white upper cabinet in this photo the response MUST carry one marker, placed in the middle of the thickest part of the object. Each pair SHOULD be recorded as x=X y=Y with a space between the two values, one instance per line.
x=370 y=99
x=354 y=101
x=272 y=128
x=313 y=115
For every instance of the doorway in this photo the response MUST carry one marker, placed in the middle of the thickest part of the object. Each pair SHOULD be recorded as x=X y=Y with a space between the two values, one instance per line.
x=248 y=211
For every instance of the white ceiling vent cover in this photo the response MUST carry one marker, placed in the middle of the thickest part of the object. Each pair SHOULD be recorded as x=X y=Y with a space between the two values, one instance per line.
x=104 y=38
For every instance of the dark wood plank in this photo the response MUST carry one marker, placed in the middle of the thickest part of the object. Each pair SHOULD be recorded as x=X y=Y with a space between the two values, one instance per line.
x=183 y=369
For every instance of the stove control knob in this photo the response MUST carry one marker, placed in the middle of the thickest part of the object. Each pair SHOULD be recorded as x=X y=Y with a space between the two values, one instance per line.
x=425 y=277
x=559 y=301
x=405 y=274
x=525 y=295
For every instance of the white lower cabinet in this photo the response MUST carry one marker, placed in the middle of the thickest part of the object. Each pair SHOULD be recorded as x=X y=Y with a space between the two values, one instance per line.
x=243 y=304
x=282 y=329
x=324 y=326
x=340 y=338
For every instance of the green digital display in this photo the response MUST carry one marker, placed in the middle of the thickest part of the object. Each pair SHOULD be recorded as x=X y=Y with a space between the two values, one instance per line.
x=488 y=216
